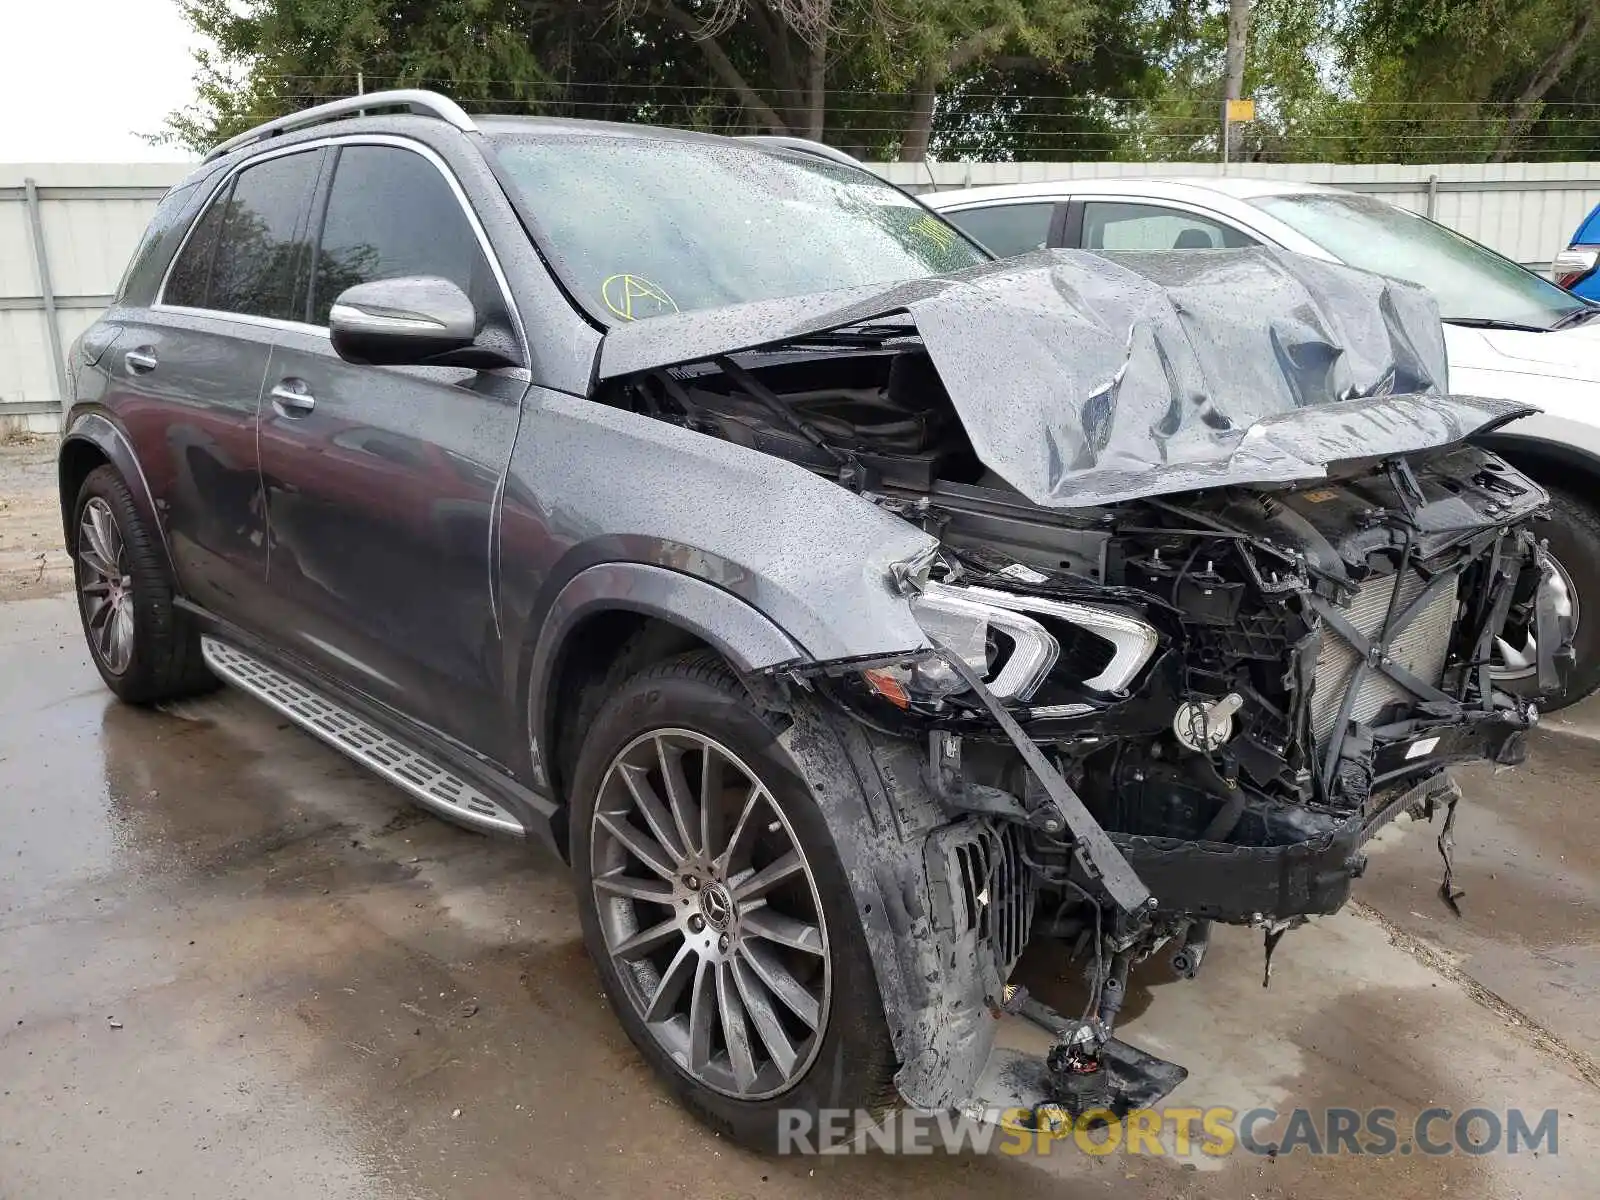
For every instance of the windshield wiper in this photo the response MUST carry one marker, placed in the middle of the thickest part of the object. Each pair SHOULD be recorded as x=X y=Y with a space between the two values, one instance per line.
x=1576 y=317
x=1492 y=323
x=857 y=335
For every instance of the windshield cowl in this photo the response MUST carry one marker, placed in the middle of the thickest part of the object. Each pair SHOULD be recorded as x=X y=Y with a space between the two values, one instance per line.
x=1493 y=323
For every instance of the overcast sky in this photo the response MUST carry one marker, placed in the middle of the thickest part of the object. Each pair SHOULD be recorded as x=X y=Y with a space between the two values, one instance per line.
x=81 y=79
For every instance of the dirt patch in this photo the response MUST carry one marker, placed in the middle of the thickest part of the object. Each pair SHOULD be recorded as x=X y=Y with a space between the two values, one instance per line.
x=33 y=561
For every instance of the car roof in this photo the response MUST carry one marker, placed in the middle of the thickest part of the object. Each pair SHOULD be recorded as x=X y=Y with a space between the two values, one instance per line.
x=578 y=126
x=1198 y=189
x=420 y=110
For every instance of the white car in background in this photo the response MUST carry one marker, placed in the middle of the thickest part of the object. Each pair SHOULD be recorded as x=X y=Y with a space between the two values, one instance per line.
x=1509 y=333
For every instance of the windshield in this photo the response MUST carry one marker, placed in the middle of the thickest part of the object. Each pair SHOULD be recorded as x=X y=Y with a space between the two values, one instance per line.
x=1470 y=282
x=645 y=226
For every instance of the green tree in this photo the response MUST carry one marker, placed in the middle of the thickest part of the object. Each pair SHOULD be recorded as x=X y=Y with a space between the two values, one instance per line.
x=273 y=56
x=1333 y=80
x=866 y=74
x=1475 y=79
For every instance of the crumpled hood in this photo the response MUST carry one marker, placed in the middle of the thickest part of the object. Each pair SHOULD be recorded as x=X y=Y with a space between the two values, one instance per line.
x=1082 y=380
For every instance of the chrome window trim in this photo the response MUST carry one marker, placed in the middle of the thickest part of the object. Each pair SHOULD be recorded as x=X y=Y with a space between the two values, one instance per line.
x=183 y=310
x=1010 y=202
x=347 y=139
x=160 y=303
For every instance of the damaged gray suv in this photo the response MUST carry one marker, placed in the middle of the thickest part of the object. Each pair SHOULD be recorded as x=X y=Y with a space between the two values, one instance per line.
x=851 y=610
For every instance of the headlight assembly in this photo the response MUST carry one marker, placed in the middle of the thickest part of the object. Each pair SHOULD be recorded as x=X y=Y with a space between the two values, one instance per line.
x=967 y=626
x=1132 y=640
x=1000 y=636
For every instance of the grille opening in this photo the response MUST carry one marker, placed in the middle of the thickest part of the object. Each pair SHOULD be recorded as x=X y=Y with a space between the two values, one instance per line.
x=996 y=891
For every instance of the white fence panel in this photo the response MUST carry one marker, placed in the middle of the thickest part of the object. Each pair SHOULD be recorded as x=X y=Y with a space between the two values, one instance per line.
x=89 y=217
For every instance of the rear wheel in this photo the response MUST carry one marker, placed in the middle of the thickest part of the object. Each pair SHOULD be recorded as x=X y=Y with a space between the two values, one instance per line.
x=716 y=909
x=1573 y=533
x=142 y=645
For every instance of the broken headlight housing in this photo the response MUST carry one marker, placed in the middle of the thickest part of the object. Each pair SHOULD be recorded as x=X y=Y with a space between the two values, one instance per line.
x=1008 y=641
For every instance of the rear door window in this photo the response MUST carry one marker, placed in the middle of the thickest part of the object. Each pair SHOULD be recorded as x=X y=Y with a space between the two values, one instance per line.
x=1115 y=225
x=391 y=213
x=246 y=254
x=1007 y=229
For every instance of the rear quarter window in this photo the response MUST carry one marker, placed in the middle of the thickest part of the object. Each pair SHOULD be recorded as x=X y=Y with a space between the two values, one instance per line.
x=142 y=275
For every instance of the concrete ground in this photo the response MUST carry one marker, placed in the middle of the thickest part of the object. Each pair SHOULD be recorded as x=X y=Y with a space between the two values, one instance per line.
x=234 y=964
x=32 y=562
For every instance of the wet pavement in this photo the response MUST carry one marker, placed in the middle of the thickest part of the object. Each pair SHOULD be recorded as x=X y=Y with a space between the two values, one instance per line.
x=233 y=964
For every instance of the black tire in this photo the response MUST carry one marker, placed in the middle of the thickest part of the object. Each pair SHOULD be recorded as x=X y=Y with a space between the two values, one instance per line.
x=1573 y=531
x=854 y=1062
x=165 y=661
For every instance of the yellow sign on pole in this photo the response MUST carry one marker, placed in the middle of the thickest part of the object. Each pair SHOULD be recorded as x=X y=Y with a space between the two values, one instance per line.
x=1241 y=110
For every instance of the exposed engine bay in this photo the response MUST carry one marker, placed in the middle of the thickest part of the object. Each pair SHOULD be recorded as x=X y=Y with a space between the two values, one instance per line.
x=1161 y=710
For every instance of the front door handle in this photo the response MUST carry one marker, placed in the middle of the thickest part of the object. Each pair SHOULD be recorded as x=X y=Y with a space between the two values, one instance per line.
x=291 y=398
x=141 y=359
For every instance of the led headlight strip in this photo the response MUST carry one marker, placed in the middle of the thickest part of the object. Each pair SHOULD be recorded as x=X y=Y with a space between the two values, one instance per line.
x=960 y=617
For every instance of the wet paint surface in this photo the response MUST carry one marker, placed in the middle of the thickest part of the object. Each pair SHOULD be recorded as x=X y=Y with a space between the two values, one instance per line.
x=233 y=964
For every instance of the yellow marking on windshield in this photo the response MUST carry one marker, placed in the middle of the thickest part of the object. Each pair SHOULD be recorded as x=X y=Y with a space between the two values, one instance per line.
x=633 y=297
x=936 y=231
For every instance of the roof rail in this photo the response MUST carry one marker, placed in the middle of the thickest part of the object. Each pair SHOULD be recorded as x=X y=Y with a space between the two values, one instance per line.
x=805 y=146
x=428 y=104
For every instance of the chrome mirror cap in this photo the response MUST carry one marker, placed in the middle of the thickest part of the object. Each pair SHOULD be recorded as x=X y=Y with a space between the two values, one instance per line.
x=407 y=320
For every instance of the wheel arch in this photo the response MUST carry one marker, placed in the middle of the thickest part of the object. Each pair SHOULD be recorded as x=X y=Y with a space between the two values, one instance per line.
x=613 y=619
x=93 y=441
x=1548 y=461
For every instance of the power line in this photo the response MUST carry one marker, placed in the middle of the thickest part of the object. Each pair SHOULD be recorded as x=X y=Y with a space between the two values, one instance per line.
x=564 y=85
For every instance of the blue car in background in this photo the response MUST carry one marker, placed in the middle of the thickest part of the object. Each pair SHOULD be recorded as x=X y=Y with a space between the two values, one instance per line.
x=1577 y=268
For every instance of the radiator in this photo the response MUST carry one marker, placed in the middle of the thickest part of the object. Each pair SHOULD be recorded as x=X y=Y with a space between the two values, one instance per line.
x=1421 y=649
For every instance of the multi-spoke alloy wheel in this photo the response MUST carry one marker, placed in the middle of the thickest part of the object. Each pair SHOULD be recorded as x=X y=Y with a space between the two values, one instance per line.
x=105 y=586
x=710 y=913
x=1517 y=656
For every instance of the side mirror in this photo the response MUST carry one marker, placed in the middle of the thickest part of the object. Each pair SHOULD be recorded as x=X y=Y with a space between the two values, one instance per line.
x=417 y=320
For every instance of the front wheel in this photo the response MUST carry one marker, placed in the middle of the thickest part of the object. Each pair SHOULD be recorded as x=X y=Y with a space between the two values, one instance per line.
x=717 y=912
x=1573 y=534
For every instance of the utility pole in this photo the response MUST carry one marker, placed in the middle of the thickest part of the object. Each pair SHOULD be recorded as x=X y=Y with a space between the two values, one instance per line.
x=1233 y=78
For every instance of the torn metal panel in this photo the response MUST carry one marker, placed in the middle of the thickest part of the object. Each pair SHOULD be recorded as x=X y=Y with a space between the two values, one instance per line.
x=940 y=986
x=1085 y=380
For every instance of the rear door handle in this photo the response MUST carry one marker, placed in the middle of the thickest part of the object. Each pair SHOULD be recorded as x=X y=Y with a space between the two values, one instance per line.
x=291 y=398
x=141 y=359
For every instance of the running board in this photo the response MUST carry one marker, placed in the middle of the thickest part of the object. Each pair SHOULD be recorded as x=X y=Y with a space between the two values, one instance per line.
x=433 y=786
